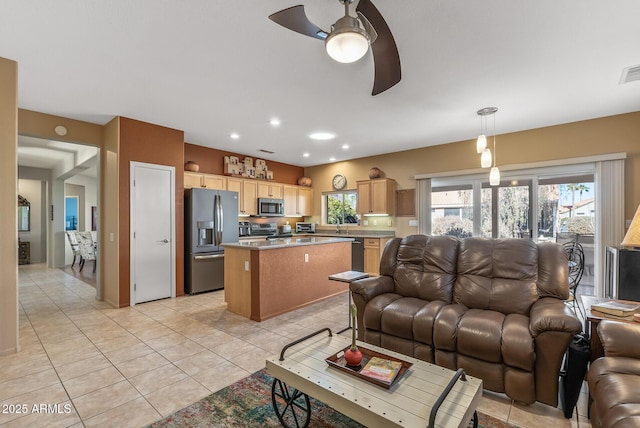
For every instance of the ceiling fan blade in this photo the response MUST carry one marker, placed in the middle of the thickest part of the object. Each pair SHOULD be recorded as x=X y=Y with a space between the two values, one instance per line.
x=373 y=34
x=295 y=19
x=385 y=52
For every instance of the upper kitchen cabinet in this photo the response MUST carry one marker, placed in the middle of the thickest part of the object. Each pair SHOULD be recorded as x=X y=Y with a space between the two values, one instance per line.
x=206 y=181
x=247 y=194
x=270 y=190
x=298 y=201
x=377 y=196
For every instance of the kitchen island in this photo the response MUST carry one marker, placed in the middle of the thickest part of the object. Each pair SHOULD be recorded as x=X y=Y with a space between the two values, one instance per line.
x=268 y=277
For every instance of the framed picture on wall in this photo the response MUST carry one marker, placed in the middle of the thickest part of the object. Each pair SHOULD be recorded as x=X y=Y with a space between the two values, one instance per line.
x=94 y=218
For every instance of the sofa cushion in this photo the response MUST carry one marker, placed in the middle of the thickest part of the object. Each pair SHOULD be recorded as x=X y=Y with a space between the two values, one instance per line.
x=426 y=267
x=480 y=335
x=614 y=383
x=518 y=346
x=397 y=317
x=372 y=317
x=497 y=274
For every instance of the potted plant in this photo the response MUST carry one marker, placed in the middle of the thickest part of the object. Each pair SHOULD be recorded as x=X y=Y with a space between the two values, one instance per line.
x=353 y=356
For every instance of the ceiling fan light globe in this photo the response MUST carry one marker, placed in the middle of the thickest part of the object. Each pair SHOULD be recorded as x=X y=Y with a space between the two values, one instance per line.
x=347 y=45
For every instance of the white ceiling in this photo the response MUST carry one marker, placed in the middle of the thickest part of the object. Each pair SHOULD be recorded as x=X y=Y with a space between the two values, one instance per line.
x=212 y=67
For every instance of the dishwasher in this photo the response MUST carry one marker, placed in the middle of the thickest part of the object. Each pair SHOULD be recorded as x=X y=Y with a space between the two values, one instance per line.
x=357 y=255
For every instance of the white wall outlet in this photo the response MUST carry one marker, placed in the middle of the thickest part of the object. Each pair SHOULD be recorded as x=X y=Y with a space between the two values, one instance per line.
x=306 y=258
x=111 y=237
x=389 y=223
x=413 y=223
x=246 y=265
x=365 y=223
x=375 y=222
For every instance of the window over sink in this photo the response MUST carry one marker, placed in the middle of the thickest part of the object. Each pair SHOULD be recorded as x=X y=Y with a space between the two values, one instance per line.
x=340 y=207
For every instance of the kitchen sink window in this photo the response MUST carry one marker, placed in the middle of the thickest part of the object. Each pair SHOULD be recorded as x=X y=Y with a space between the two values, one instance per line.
x=340 y=207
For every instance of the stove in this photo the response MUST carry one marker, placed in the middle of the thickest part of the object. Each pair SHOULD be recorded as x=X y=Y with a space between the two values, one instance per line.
x=264 y=229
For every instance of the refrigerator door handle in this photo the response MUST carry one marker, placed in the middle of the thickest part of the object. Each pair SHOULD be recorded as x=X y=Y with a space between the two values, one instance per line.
x=218 y=213
x=209 y=257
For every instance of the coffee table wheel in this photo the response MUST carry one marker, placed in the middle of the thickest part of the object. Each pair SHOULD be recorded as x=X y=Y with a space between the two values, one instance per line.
x=292 y=407
x=474 y=420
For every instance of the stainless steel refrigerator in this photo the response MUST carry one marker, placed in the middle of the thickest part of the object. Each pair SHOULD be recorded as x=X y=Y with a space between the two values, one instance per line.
x=211 y=218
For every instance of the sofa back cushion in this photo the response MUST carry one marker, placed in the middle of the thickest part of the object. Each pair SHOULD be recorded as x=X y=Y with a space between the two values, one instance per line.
x=497 y=274
x=426 y=267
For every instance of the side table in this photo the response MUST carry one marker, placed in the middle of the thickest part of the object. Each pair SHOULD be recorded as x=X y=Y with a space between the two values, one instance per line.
x=348 y=276
x=593 y=318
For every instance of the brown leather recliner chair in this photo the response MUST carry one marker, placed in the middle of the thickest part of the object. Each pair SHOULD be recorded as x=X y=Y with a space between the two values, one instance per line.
x=614 y=380
x=494 y=307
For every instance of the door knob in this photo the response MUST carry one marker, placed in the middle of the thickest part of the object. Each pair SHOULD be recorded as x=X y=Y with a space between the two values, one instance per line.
x=164 y=241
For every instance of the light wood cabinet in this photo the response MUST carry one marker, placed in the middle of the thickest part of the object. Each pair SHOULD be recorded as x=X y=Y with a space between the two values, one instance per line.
x=373 y=248
x=298 y=200
x=377 y=196
x=247 y=194
x=205 y=181
x=270 y=190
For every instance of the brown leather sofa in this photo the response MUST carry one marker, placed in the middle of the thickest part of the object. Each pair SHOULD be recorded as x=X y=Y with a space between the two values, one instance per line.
x=614 y=380
x=494 y=307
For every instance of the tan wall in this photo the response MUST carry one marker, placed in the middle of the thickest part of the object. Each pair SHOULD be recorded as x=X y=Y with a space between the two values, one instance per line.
x=145 y=142
x=42 y=125
x=109 y=207
x=612 y=134
x=211 y=161
x=9 y=340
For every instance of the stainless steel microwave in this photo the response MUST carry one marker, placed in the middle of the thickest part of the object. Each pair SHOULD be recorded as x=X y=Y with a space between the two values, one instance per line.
x=270 y=207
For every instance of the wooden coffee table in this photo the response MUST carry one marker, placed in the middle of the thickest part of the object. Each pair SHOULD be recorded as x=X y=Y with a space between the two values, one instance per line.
x=301 y=371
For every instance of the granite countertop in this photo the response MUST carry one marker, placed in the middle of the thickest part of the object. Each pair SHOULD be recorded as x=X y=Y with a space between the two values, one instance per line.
x=295 y=241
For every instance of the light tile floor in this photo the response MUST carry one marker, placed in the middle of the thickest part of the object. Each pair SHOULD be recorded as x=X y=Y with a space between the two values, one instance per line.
x=83 y=363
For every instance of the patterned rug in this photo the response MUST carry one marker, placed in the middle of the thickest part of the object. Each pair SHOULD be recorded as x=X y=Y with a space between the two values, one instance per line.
x=247 y=403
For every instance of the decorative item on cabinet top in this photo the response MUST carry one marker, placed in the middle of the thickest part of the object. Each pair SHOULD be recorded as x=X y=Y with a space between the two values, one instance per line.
x=375 y=172
x=246 y=168
x=304 y=181
x=191 y=166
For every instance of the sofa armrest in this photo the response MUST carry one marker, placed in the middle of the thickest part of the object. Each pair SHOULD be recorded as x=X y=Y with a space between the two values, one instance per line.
x=551 y=314
x=368 y=288
x=619 y=339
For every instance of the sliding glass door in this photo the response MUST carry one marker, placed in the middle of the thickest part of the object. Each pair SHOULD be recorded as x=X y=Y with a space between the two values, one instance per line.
x=558 y=208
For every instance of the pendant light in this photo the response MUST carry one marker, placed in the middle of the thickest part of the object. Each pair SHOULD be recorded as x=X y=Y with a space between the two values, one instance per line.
x=481 y=142
x=485 y=158
x=494 y=175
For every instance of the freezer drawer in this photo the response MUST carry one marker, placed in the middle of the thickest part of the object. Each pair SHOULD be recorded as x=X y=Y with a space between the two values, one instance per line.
x=204 y=272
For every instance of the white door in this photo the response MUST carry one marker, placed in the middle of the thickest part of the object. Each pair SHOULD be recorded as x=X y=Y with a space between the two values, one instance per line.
x=153 y=258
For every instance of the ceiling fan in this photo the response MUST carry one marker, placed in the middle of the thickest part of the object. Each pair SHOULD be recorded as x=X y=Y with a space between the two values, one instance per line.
x=350 y=38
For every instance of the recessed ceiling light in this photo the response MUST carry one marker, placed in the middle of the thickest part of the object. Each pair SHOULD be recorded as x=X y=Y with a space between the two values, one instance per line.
x=60 y=130
x=306 y=154
x=322 y=136
x=332 y=159
x=274 y=121
x=234 y=135
x=345 y=146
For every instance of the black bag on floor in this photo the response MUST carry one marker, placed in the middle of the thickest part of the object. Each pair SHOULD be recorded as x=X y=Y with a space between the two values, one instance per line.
x=577 y=359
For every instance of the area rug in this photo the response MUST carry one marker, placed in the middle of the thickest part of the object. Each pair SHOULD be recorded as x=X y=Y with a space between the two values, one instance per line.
x=247 y=404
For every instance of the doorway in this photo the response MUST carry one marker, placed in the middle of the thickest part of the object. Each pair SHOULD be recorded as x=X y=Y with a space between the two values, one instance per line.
x=153 y=261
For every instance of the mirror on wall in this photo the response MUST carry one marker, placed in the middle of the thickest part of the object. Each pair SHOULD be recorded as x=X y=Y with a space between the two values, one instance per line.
x=24 y=214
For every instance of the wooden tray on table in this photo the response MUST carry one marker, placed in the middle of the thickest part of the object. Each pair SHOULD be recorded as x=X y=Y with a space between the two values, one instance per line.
x=337 y=360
